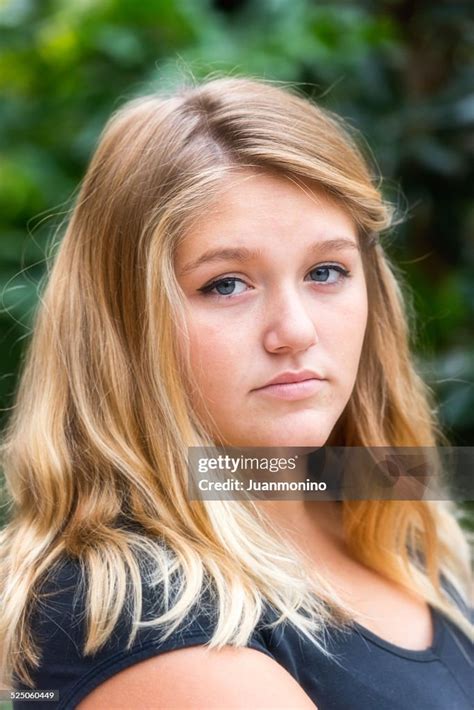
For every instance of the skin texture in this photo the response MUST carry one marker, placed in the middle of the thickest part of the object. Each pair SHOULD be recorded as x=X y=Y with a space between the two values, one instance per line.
x=194 y=678
x=279 y=315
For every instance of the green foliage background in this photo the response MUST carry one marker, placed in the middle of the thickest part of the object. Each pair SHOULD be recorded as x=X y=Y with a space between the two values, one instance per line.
x=397 y=70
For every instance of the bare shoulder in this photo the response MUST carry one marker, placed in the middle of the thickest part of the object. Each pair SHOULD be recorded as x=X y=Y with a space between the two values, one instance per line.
x=195 y=677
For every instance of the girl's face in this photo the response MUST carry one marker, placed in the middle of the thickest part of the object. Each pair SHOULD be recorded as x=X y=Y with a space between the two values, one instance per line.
x=274 y=287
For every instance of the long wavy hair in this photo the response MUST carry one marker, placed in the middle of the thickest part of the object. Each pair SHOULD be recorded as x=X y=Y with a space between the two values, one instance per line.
x=102 y=418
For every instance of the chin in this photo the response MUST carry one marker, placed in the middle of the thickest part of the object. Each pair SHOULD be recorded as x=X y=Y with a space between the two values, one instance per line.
x=308 y=439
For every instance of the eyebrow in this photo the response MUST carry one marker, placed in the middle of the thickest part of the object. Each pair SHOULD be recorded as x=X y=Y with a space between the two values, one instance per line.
x=243 y=254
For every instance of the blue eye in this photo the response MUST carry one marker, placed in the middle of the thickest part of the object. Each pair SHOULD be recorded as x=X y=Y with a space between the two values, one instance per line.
x=323 y=273
x=224 y=287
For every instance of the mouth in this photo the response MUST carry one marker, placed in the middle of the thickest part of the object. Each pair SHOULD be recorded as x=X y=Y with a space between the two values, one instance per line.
x=293 y=390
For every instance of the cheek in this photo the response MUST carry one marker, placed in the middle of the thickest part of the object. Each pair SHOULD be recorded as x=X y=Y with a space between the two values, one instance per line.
x=344 y=333
x=216 y=357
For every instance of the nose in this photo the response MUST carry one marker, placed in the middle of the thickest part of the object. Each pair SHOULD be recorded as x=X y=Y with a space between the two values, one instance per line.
x=289 y=326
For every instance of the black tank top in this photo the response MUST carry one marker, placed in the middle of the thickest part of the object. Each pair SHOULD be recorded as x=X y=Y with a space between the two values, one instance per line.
x=367 y=673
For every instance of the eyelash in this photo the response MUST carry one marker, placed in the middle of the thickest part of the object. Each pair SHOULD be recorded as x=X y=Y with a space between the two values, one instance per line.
x=208 y=288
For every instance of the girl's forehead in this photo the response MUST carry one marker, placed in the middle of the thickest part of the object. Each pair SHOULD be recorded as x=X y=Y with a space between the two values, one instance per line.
x=262 y=209
x=247 y=192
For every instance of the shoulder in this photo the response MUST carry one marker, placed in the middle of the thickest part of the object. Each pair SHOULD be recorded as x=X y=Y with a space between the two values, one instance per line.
x=198 y=677
x=58 y=623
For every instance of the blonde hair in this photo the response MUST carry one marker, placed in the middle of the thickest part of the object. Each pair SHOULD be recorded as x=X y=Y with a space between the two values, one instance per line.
x=102 y=422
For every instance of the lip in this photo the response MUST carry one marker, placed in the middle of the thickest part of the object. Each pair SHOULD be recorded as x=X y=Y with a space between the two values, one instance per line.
x=288 y=377
x=293 y=385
